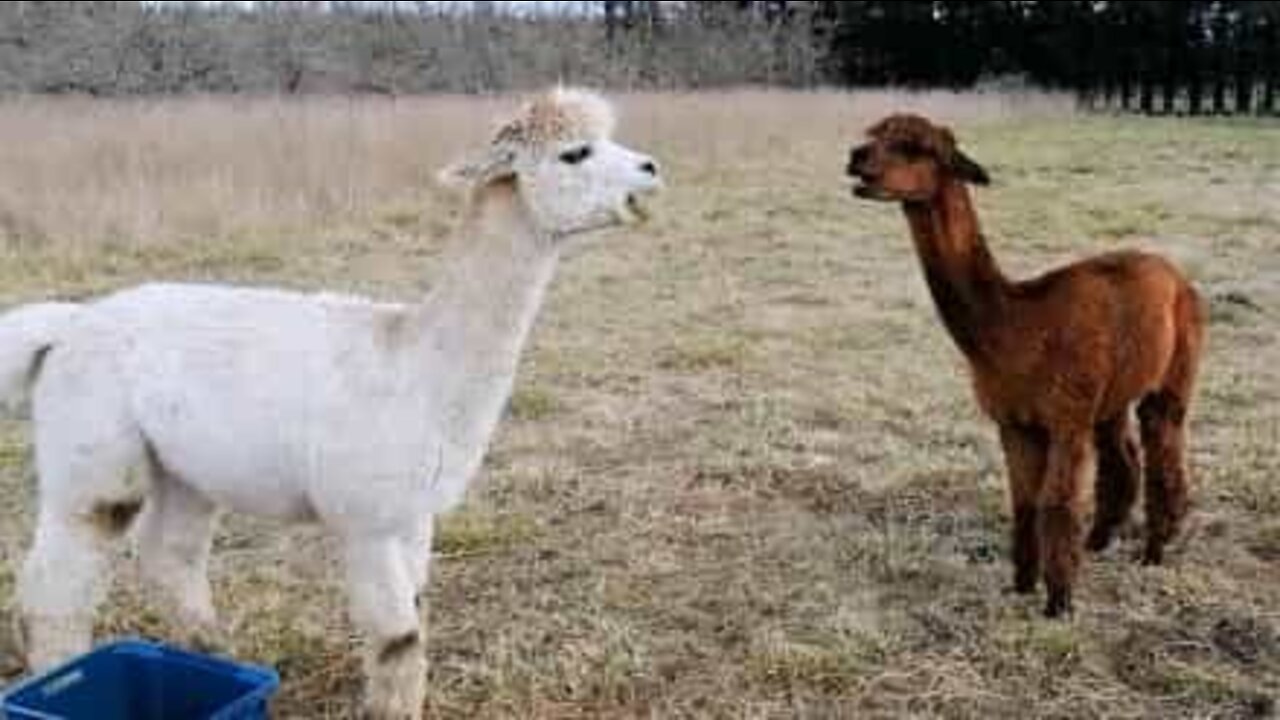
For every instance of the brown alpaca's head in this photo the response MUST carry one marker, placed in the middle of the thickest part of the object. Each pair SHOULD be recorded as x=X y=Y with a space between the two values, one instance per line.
x=908 y=158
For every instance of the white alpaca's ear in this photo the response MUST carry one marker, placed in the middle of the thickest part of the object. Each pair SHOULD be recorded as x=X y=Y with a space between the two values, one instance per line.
x=491 y=165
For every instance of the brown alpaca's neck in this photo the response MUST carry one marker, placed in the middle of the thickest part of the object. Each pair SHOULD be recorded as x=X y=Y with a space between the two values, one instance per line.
x=964 y=279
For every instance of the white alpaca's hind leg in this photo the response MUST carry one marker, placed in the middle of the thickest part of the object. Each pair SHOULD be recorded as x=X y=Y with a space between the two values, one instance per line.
x=94 y=477
x=380 y=588
x=60 y=587
x=175 y=535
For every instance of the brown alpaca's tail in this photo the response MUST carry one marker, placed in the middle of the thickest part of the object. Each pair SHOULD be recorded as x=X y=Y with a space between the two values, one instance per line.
x=1192 y=317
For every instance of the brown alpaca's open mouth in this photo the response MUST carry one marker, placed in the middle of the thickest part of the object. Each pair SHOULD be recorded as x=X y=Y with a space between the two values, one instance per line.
x=867 y=191
x=865 y=185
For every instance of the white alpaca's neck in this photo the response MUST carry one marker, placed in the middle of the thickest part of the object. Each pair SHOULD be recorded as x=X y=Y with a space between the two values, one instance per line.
x=476 y=320
x=495 y=276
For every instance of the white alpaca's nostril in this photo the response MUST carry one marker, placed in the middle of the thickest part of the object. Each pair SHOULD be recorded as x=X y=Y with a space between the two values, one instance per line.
x=649 y=167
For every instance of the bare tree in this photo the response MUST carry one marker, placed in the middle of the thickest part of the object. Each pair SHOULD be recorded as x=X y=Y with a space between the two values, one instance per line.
x=111 y=48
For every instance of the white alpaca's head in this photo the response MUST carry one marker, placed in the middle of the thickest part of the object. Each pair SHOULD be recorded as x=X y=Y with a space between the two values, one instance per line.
x=558 y=154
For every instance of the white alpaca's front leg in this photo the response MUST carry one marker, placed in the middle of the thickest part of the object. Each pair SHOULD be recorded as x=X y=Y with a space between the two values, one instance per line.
x=417 y=554
x=381 y=589
x=175 y=534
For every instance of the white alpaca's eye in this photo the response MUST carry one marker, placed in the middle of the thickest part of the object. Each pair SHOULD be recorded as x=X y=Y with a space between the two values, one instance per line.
x=575 y=155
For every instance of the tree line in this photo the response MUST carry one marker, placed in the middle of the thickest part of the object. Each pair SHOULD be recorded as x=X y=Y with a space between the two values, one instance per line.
x=1154 y=56
x=1185 y=56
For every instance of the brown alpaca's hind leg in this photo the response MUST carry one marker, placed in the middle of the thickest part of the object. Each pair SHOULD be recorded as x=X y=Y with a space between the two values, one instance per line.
x=1025 y=450
x=1163 y=418
x=1119 y=471
x=1070 y=460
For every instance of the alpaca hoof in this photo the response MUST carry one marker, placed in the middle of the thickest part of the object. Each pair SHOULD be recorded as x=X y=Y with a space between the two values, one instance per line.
x=1058 y=605
x=210 y=638
x=369 y=713
x=13 y=659
x=1098 y=540
x=1153 y=555
x=211 y=643
x=1023 y=586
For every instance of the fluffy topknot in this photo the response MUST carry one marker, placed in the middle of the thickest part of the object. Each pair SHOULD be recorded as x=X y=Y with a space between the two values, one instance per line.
x=556 y=116
x=917 y=130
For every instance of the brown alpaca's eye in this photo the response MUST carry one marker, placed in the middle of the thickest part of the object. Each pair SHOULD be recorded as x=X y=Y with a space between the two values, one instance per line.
x=576 y=155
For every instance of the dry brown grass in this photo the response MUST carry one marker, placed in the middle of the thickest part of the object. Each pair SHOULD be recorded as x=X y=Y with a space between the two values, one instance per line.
x=742 y=475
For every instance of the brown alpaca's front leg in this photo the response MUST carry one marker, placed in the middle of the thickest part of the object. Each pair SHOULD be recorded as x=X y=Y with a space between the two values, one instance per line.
x=1025 y=451
x=1070 y=458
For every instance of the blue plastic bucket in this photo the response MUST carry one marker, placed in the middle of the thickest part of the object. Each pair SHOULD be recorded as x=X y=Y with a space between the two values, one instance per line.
x=138 y=680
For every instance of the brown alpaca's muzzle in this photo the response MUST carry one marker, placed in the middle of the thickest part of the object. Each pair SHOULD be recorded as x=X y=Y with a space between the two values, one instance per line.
x=859 y=168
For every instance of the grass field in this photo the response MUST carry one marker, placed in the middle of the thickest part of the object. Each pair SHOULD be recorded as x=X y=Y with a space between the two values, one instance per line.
x=742 y=474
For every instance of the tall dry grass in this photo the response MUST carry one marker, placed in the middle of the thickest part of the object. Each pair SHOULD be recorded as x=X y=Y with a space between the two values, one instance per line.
x=163 y=171
x=145 y=172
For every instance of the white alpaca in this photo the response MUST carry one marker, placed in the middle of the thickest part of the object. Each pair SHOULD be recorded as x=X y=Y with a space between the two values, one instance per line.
x=366 y=417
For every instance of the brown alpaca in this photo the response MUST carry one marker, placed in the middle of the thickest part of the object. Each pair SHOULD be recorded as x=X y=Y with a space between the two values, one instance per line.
x=1057 y=361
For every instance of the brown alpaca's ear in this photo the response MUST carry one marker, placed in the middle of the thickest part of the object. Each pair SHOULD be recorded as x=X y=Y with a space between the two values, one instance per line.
x=966 y=169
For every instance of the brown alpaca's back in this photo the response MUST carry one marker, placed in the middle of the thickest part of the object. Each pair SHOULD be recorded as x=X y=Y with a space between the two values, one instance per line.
x=1103 y=331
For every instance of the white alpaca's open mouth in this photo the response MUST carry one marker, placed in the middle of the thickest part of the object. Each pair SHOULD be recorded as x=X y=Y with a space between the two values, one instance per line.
x=633 y=210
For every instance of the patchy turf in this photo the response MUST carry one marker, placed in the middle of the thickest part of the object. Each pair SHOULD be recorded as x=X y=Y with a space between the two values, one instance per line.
x=742 y=475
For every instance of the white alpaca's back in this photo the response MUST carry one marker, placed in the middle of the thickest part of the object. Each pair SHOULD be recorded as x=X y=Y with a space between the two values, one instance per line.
x=267 y=400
